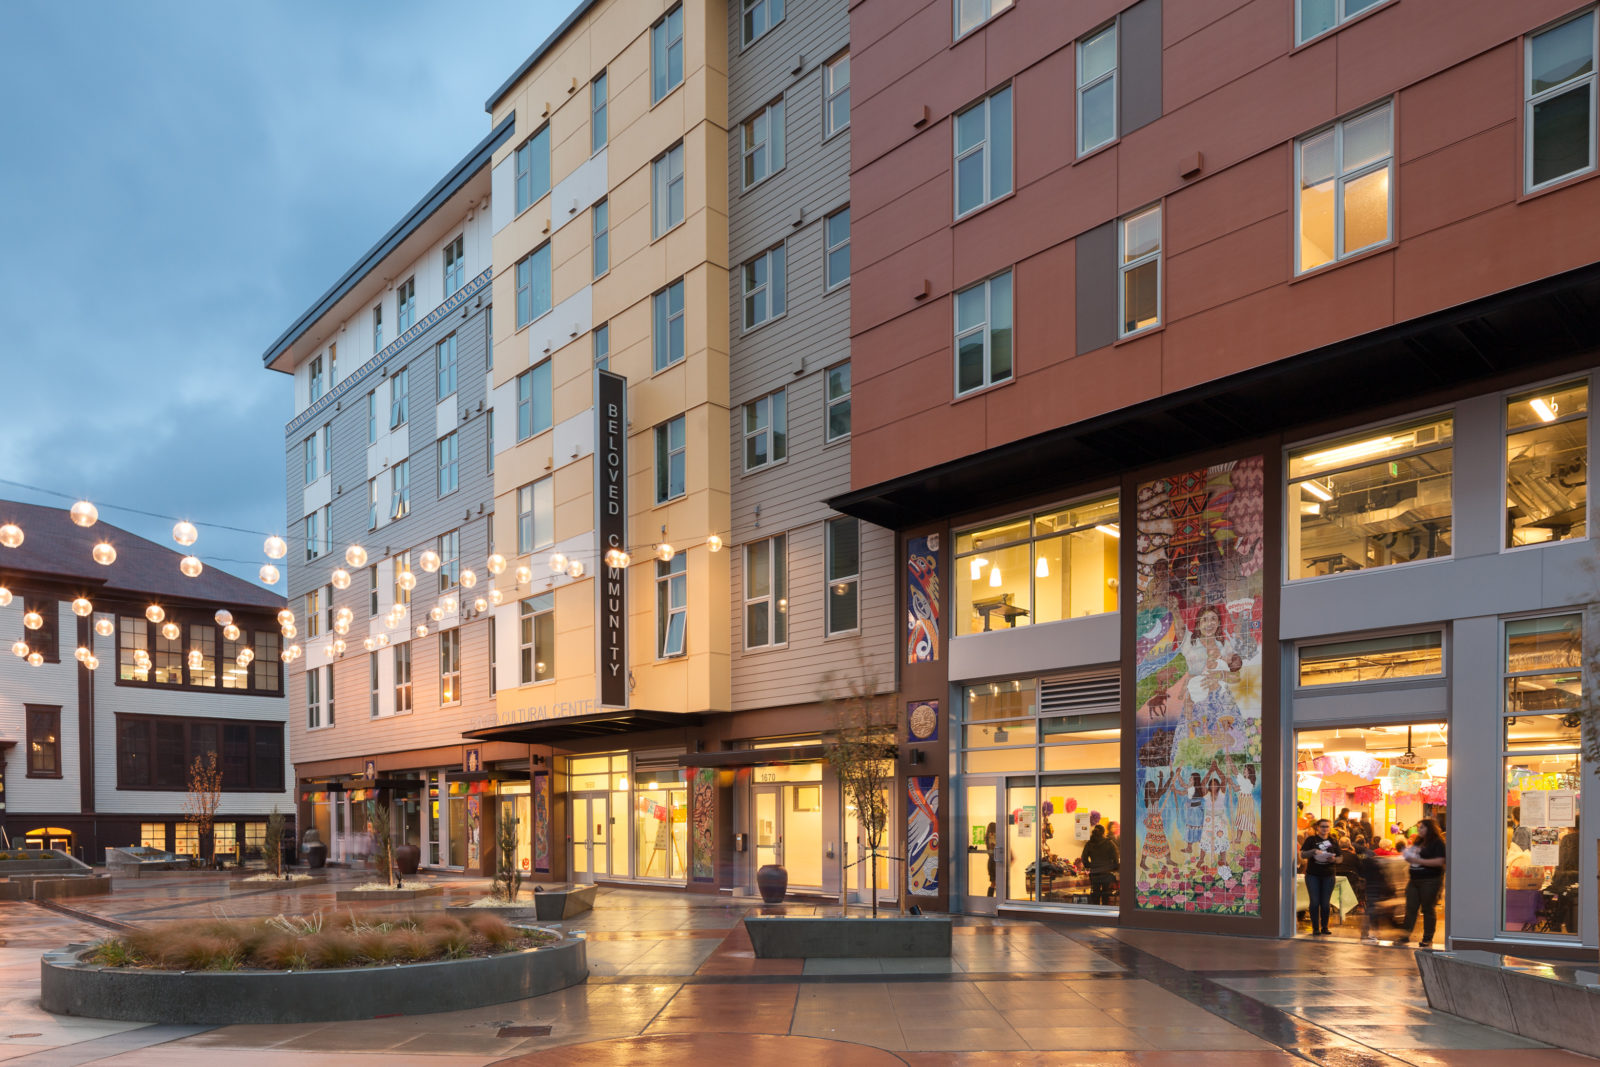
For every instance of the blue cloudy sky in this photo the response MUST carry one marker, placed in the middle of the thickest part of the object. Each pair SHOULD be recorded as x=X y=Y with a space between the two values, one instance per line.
x=179 y=179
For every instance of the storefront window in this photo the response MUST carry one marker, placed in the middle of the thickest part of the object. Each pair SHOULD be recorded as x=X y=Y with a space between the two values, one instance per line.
x=660 y=825
x=1372 y=500
x=1547 y=451
x=1373 y=659
x=1543 y=774
x=1051 y=566
x=187 y=839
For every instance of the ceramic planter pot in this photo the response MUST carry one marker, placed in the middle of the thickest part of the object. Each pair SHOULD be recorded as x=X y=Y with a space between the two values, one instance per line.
x=773 y=881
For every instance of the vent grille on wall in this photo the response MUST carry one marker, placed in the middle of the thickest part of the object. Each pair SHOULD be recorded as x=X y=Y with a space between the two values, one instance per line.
x=1080 y=694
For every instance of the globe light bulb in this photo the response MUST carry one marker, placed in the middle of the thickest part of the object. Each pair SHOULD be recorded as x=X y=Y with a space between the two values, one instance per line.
x=344 y=613
x=714 y=543
x=5 y=597
x=496 y=597
x=524 y=575
x=196 y=659
x=327 y=650
x=81 y=654
x=223 y=616
x=293 y=652
x=85 y=514
x=558 y=562
x=383 y=640
x=155 y=613
x=340 y=578
x=81 y=607
x=285 y=617
x=468 y=579
x=407 y=581
x=104 y=554
x=91 y=662
x=356 y=556
x=341 y=626
x=11 y=535
x=191 y=566
x=422 y=630
x=104 y=627
x=245 y=656
x=436 y=613
x=368 y=643
x=185 y=534
x=429 y=560
x=231 y=632
x=268 y=574
x=338 y=646
x=290 y=631
x=141 y=657
x=32 y=620
x=171 y=631
x=275 y=547
x=575 y=569
x=480 y=604
x=20 y=650
x=449 y=604
x=35 y=659
x=497 y=564
x=665 y=552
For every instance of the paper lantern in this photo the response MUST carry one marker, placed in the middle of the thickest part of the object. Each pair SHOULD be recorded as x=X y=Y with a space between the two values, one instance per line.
x=496 y=597
x=480 y=604
x=171 y=631
x=91 y=662
x=468 y=579
x=196 y=659
x=575 y=569
x=285 y=617
x=665 y=552
x=20 y=650
x=81 y=654
x=422 y=630
x=407 y=581
x=35 y=659
x=558 y=562
x=84 y=514
x=524 y=575
x=714 y=543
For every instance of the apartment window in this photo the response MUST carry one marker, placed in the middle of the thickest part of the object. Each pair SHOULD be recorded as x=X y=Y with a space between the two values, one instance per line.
x=333 y=365
x=1547 y=460
x=836 y=95
x=1372 y=659
x=308 y=450
x=766 y=431
x=1560 y=118
x=536 y=516
x=494 y=658
x=445 y=362
x=314 y=698
x=399 y=397
x=670 y=462
x=762 y=134
x=763 y=288
x=1097 y=89
x=327 y=690
x=536 y=638
x=44 y=741
x=766 y=597
x=1346 y=185
x=315 y=379
x=402 y=565
x=1316 y=17
x=844 y=575
x=597 y=113
x=329 y=611
x=372 y=589
x=532 y=168
x=266 y=670
x=534 y=411
x=672 y=605
x=488 y=440
x=372 y=418
x=666 y=55
x=449 y=455
x=373 y=683
x=602 y=346
x=973 y=13
x=400 y=489
x=455 y=264
x=156 y=752
x=602 y=238
x=405 y=304
x=313 y=615
x=759 y=17
x=1372 y=499
x=327 y=448
x=666 y=183
x=203 y=669
x=449 y=559
x=377 y=328
x=47 y=639
x=836 y=254
x=983 y=334
x=1139 y=267
x=1044 y=567
x=983 y=152
x=372 y=503
x=314 y=535
x=450 y=667
x=533 y=285
x=666 y=328
x=838 y=402
x=402 y=677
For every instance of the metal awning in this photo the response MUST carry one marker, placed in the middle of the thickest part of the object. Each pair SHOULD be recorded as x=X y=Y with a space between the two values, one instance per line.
x=753 y=757
x=579 y=727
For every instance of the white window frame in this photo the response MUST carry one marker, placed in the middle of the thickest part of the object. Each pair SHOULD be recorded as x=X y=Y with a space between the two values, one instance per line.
x=1340 y=180
x=775 y=599
x=523 y=171
x=314 y=379
x=308 y=456
x=529 y=611
x=1126 y=267
x=446 y=369
x=662 y=45
x=327 y=448
x=523 y=280
x=761 y=154
x=832 y=92
x=448 y=545
x=662 y=319
x=405 y=304
x=399 y=397
x=990 y=9
x=986 y=327
x=536 y=525
x=402 y=677
x=531 y=384
x=599 y=112
x=372 y=503
x=314 y=698
x=831 y=580
x=1110 y=75
x=667 y=453
x=666 y=177
x=600 y=237
x=830 y=246
x=602 y=346
x=455 y=264
x=400 y=490
x=450 y=666
x=372 y=417
x=672 y=584
x=1342 y=15
x=377 y=328
x=374 y=683
x=1532 y=99
x=447 y=451
x=983 y=148
x=770 y=13
x=764 y=300
x=313 y=535
x=760 y=421
x=829 y=402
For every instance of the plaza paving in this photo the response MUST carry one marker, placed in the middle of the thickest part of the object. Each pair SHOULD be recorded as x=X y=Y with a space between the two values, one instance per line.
x=673 y=981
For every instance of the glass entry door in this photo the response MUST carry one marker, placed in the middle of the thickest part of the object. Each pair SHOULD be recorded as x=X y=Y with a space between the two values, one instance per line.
x=788 y=831
x=591 y=835
x=984 y=839
x=769 y=827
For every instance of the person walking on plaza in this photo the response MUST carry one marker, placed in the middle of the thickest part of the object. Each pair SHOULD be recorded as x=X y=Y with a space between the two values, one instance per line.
x=1378 y=872
x=1322 y=854
x=1101 y=858
x=1426 y=858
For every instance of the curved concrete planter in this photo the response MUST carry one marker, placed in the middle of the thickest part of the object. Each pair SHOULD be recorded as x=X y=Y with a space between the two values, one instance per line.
x=215 y=998
x=354 y=896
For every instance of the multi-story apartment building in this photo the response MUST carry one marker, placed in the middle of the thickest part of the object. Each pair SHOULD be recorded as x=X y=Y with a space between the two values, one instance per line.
x=1224 y=371
x=124 y=670
x=390 y=504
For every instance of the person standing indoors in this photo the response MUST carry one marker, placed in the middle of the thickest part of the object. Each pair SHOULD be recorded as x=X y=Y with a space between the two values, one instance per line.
x=1322 y=853
x=1102 y=860
x=1426 y=858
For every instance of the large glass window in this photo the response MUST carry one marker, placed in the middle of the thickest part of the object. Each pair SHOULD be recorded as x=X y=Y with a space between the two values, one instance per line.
x=536 y=638
x=666 y=183
x=838 y=402
x=666 y=327
x=671 y=462
x=535 y=405
x=1560 y=121
x=455 y=265
x=1373 y=659
x=1097 y=89
x=836 y=95
x=399 y=397
x=402 y=677
x=536 y=515
x=533 y=285
x=450 y=667
x=405 y=304
x=1139 y=270
x=672 y=605
x=1371 y=500
x=1346 y=188
x=759 y=17
x=400 y=489
x=155 y=752
x=983 y=152
x=766 y=596
x=764 y=281
x=445 y=364
x=766 y=431
x=1054 y=565
x=843 y=544
x=532 y=168
x=1547 y=464
x=449 y=463
x=983 y=334
x=973 y=13
x=598 y=101
x=666 y=54
x=762 y=136
x=1316 y=17
x=44 y=741
x=449 y=559
x=1543 y=767
x=836 y=253
x=601 y=244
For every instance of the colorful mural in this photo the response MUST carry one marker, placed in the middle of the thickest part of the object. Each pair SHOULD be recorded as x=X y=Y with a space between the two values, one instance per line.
x=922 y=599
x=702 y=812
x=541 y=823
x=922 y=837
x=1198 y=697
x=474 y=830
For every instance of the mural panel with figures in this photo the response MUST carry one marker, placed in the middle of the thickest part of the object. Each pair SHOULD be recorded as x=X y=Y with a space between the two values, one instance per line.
x=922 y=599
x=1198 y=699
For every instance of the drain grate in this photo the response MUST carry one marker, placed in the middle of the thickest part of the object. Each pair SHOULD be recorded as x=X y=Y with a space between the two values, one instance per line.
x=524 y=1031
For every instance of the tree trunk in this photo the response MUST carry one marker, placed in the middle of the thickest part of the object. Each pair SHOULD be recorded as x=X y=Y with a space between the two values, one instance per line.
x=874 y=882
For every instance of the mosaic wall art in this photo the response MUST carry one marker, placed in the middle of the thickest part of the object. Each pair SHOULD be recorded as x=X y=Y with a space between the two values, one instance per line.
x=1198 y=701
x=541 y=823
x=702 y=812
x=922 y=599
x=922 y=836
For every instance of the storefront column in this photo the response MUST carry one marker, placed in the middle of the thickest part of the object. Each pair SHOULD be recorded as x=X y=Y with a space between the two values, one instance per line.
x=1475 y=816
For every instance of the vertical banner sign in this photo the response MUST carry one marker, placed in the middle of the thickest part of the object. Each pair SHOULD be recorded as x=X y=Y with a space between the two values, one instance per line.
x=922 y=599
x=611 y=502
x=541 y=823
x=1198 y=703
x=701 y=833
x=922 y=836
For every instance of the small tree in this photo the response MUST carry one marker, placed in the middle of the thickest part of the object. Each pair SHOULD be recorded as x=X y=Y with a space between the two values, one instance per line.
x=508 y=878
x=272 y=842
x=382 y=839
x=204 y=798
x=862 y=755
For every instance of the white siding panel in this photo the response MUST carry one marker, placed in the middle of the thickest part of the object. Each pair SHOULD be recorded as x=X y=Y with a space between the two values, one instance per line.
x=574 y=194
x=502 y=186
x=567 y=321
